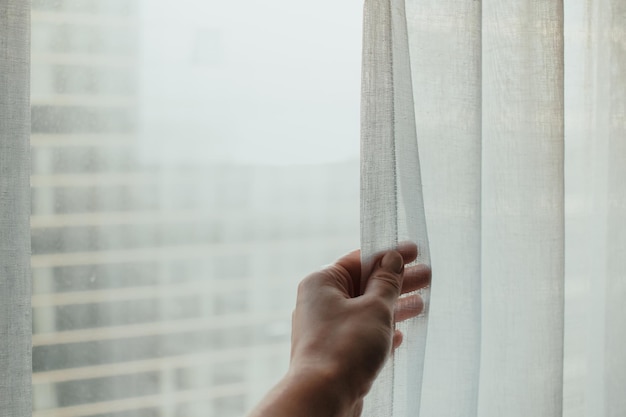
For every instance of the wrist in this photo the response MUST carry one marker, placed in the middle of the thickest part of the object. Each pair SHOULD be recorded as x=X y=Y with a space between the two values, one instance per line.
x=323 y=389
x=308 y=392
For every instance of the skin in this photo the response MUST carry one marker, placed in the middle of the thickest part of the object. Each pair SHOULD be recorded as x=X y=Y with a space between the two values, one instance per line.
x=342 y=336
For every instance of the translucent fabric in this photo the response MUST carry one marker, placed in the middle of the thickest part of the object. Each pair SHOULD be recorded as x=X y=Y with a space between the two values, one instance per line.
x=190 y=163
x=15 y=283
x=595 y=132
x=519 y=113
x=391 y=198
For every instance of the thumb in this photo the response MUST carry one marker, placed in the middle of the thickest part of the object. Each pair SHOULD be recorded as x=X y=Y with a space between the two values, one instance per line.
x=386 y=280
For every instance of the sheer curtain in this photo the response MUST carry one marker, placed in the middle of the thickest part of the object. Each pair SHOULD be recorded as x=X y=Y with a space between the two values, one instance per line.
x=15 y=284
x=177 y=152
x=519 y=109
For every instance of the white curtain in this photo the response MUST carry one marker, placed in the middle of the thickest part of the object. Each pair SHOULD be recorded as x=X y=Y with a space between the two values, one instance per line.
x=15 y=313
x=178 y=151
x=391 y=198
x=520 y=121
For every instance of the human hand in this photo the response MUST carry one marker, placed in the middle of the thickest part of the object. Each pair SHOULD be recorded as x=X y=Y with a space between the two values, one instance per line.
x=340 y=338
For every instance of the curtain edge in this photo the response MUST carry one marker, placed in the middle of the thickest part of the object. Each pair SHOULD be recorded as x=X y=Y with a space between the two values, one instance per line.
x=15 y=276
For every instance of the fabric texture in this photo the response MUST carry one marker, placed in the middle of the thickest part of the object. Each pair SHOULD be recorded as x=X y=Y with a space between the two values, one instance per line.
x=518 y=108
x=595 y=123
x=445 y=49
x=519 y=113
x=391 y=199
x=15 y=312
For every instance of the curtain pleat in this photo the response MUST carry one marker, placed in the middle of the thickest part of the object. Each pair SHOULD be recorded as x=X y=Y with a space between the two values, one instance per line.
x=580 y=301
x=522 y=209
x=595 y=97
x=523 y=194
x=445 y=49
x=615 y=350
x=488 y=86
x=392 y=207
x=15 y=288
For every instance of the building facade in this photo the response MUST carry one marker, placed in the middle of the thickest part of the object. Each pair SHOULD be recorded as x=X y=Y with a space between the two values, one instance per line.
x=159 y=290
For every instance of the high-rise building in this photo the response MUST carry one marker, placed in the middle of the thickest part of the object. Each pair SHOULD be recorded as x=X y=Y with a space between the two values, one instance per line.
x=159 y=290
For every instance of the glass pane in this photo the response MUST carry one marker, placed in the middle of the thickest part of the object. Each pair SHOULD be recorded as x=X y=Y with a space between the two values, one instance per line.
x=190 y=165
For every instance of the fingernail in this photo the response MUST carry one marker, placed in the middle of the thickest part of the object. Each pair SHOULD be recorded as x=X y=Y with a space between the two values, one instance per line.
x=393 y=261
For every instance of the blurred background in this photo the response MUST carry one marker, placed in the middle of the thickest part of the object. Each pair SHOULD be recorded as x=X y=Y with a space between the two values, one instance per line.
x=191 y=162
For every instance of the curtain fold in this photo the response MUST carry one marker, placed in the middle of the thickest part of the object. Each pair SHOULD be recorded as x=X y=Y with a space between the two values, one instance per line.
x=15 y=287
x=445 y=50
x=595 y=97
x=519 y=109
x=522 y=209
x=391 y=197
x=615 y=310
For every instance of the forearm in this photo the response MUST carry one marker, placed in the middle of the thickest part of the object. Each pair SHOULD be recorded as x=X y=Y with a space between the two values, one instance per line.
x=305 y=394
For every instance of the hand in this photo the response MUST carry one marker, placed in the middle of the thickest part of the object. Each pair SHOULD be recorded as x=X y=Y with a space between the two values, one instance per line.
x=341 y=339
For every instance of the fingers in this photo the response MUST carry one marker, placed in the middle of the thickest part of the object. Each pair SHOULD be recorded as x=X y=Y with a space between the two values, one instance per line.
x=386 y=280
x=397 y=339
x=351 y=262
x=418 y=278
x=408 y=250
x=408 y=307
x=415 y=278
x=358 y=409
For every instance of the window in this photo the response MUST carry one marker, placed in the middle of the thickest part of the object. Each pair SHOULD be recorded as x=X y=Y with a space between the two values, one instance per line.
x=190 y=164
x=162 y=201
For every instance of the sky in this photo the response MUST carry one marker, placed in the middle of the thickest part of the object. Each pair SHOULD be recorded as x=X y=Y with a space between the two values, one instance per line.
x=274 y=82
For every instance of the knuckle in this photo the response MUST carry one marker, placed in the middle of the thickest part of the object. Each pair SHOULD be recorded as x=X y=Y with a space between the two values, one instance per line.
x=389 y=281
x=304 y=287
x=340 y=276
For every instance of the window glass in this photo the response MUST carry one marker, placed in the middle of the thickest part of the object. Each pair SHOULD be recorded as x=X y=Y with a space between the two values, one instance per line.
x=190 y=165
